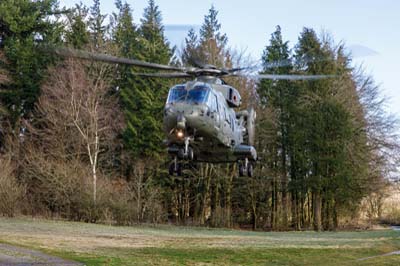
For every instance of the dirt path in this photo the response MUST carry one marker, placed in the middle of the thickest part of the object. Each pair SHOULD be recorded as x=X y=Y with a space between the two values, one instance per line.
x=16 y=256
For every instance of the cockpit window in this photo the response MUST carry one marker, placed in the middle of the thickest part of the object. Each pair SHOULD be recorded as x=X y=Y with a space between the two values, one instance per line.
x=177 y=94
x=198 y=94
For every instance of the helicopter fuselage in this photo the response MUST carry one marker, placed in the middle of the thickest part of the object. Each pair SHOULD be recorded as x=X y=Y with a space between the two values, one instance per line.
x=199 y=119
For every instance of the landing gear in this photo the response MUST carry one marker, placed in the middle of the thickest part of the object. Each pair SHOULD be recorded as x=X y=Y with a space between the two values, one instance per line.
x=186 y=152
x=175 y=167
x=241 y=170
x=250 y=170
x=246 y=166
x=190 y=154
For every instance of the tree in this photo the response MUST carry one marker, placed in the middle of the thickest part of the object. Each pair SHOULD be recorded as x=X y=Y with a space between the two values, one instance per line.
x=210 y=46
x=96 y=26
x=143 y=98
x=78 y=34
x=24 y=25
x=189 y=54
x=212 y=42
x=278 y=96
x=79 y=104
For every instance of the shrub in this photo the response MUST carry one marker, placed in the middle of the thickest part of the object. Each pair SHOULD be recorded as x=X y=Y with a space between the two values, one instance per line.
x=11 y=192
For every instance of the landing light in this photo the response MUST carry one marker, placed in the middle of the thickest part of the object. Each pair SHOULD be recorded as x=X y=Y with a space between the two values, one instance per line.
x=180 y=134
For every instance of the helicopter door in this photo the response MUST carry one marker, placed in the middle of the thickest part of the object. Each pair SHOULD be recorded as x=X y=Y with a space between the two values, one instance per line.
x=215 y=111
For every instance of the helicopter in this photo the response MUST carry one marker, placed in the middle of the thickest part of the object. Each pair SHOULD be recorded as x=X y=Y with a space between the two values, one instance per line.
x=201 y=121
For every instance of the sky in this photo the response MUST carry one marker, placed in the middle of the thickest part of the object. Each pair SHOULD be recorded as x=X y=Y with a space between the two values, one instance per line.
x=364 y=25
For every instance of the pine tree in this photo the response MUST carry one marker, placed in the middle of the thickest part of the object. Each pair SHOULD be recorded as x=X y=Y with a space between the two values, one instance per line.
x=209 y=47
x=78 y=35
x=307 y=50
x=212 y=42
x=124 y=35
x=24 y=25
x=328 y=129
x=142 y=98
x=96 y=25
x=277 y=95
x=155 y=48
x=189 y=54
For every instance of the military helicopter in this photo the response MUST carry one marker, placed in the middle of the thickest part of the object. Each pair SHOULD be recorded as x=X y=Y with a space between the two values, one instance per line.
x=201 y=123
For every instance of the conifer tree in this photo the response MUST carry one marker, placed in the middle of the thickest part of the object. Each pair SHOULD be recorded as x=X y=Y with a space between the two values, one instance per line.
x=124 y=34
x=96 y=25
x=24 y=25
x=309 y=142
x=142 y=98
x=212 y=42
x=78 y=35
x=277 y=95
x=155 y=48
x=190 y=50
x=210 y=46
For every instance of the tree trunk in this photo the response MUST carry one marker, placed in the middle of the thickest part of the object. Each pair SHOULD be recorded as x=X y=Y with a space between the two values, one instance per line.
x=94 y=185
x=284 y=186
x=207 y=173
x=254 y=216
x=317 y=210
x=273 y=203
x=335 y=217
x=295 y=220
x=228 y=199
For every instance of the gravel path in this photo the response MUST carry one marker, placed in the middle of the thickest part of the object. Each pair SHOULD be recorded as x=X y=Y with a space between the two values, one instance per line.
x=16 y=256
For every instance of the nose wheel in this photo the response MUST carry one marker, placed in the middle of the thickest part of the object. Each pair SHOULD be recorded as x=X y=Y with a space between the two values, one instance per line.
x=175 y=168
x=246 y=168
x=184 y=153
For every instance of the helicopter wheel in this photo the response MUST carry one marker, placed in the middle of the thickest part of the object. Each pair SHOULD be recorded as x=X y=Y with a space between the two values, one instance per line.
x=250 y=170
x=241 y=169
x=190 y=154
x=181 y=154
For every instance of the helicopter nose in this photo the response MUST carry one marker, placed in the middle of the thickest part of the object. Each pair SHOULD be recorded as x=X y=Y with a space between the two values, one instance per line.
x=180 y=121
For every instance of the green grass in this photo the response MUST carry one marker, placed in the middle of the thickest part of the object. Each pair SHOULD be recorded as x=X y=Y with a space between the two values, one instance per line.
x=169 y=245
x=285 y=256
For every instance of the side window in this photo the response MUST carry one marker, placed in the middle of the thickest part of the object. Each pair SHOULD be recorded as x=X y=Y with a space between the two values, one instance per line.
x=226 y=116
x=216 y=103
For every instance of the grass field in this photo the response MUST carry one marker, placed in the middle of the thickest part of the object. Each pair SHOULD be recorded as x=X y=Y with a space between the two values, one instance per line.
x=169 y=245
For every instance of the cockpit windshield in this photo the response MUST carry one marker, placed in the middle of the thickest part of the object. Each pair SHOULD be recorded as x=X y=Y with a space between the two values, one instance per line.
x=177 y=94
x=197 y=95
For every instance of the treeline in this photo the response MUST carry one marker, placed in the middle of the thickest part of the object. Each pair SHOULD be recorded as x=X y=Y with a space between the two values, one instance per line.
x=82 y=140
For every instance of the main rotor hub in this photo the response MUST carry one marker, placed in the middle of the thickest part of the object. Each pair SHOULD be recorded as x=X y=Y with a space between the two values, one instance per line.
x=197 y=72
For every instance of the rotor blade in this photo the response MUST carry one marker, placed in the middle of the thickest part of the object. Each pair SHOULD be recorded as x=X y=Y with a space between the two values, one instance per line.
x=164 y=75
x=232 y=70
x=286 y=77
x=181 y=27
x=68 y=52
x=280 y=63
x=267 y=65
x=290 y=62
x=358 y=50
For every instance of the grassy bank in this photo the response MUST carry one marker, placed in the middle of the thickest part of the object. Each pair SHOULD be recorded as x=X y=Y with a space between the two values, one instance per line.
x=170 y=245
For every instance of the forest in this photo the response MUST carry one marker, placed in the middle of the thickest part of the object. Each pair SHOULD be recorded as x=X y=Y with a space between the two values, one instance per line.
x=82 y=140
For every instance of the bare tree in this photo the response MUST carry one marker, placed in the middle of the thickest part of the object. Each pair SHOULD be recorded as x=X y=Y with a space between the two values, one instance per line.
x=79 y=109
x=11 y=191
